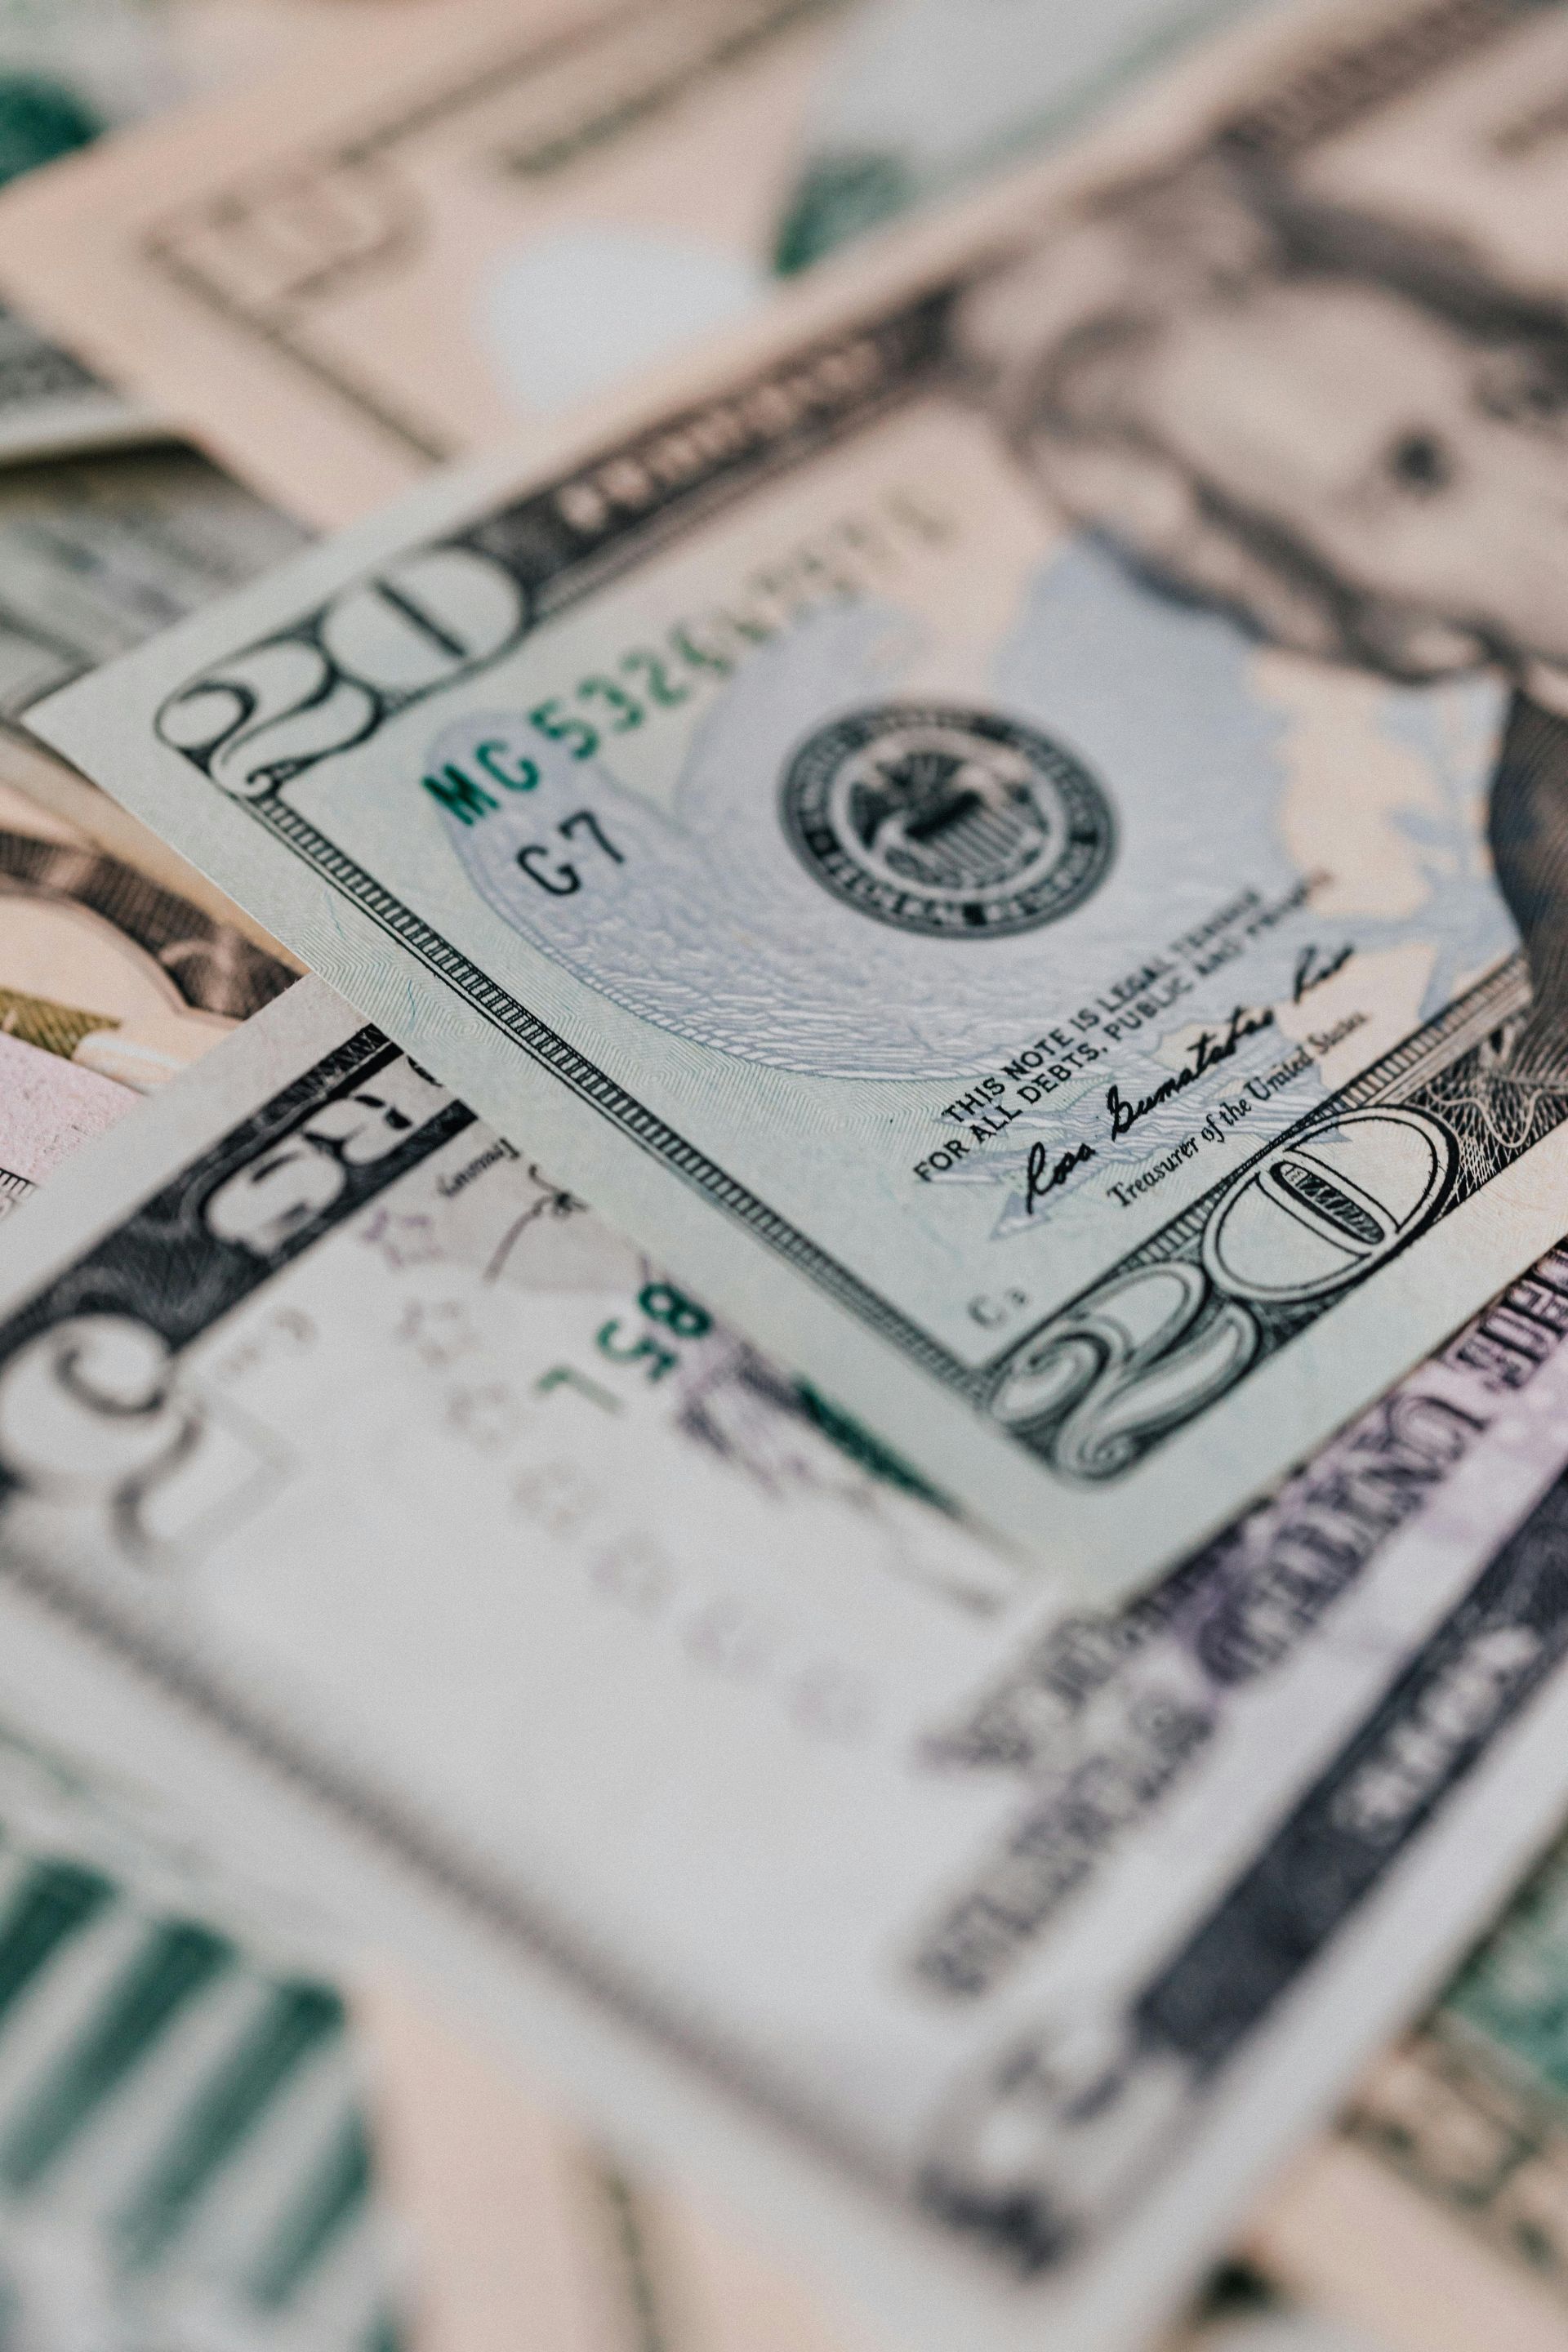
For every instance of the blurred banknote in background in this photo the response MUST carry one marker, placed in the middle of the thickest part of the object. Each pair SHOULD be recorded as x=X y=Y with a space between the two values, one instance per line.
x=47 y=1107
x=922 y=96
x=1240 y=2314
x=183 y=2157
x=510 y=2220
x=510 y=2223
x=417 y=242
x=262 y=1363
x=97 y=553
x=108 y=969
x=1438 y=2212
x=510 y=2214
x=69 y=70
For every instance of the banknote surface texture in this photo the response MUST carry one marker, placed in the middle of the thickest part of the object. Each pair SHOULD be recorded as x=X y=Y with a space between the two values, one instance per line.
x=98 y=554
x=68 y=72
x=48 y=1106
x=1008 y=876
x=466 y=220
x=1455 y=2149
x=107 y=967
x=828 y=1817
x=183 y=2156
x=52 y=406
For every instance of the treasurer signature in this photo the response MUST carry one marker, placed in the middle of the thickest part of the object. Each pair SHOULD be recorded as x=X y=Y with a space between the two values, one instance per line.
x=1046 y=1173
x=1205 y=1052
x=1312 y=973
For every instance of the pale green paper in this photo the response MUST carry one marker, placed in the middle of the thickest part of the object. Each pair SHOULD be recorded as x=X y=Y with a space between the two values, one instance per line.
x=529 y=769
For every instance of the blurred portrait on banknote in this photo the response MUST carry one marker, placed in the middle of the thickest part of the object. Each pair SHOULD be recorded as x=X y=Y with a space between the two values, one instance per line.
x=1344 y=428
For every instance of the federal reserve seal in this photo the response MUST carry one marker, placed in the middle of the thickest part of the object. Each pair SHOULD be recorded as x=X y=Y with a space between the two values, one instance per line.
x=955 y=823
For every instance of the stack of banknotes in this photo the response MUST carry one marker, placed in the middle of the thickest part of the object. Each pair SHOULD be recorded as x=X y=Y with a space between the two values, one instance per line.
x=660 y=1690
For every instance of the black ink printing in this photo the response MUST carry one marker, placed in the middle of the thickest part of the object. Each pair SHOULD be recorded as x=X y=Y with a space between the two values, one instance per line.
x=1205 y=1051
x=1045 y=1176
x=1312 y=973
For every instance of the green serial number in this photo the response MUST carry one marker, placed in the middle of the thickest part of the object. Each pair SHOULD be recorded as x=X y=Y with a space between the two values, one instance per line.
x=597 y=707
x=853 y=558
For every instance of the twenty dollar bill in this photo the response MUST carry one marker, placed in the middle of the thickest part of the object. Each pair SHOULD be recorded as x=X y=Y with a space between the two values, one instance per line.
x=989 y=824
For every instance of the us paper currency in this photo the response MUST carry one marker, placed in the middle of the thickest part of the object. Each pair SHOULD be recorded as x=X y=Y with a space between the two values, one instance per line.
x=519 y=2224
x=416 y=1532
x=72 y=69
x=990 y=826
x=1439 y=2211
x=69 y=70
x=105 y=966
x=50 y=404
x=1242 y=2314
x=927 y=94
x=183 y=2157
x=520 y=2230
x=96 y=554
x=614 y=2263
x=515 y=2223
x=47 y=1108
x=424 y=236
x=115 y=952
x=27 y=770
